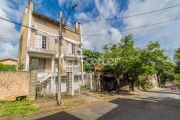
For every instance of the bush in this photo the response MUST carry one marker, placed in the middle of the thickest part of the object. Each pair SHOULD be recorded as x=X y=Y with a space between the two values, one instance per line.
x=4 y=67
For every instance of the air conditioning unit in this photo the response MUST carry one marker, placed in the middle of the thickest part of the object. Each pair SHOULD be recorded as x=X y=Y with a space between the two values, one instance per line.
x=33 y=26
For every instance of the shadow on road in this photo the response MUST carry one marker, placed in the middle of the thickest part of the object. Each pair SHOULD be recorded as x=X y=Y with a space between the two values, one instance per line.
x=136 y=107
x=60 y=116
x=143 y=109
x=164 y=92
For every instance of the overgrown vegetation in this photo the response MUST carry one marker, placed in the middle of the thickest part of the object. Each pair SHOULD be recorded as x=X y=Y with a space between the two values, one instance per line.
x=12 y=108
x=91 y=59
x=4 y=67
x=21 y=66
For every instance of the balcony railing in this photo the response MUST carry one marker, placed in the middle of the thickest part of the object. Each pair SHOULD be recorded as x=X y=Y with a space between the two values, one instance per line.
x=72 y=68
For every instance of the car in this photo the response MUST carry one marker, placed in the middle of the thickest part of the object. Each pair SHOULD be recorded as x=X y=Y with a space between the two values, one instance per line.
x=173 y=87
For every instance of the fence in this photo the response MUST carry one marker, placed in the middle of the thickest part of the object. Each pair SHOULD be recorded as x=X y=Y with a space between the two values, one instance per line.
x=17 y=84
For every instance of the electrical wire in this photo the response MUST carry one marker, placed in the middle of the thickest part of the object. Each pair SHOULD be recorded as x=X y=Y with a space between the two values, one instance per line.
x=54 y=6
x=130 y=15
x=134 y=32
x=136 y=27
x=12 y=1
x=38 y=8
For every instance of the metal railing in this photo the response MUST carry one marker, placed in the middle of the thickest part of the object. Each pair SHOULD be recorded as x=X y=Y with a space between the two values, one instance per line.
x=72 y=68
x=69 y=27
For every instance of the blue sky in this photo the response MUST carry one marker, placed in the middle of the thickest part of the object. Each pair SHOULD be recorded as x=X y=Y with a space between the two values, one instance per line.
x=167 y=34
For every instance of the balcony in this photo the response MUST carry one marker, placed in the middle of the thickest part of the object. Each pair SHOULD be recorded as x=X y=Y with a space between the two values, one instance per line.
x=41 y=50
x=72 y=69
x=42 y=45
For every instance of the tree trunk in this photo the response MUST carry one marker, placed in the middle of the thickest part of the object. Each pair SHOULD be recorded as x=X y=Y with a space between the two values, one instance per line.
x=132 y=85
x=118 y=85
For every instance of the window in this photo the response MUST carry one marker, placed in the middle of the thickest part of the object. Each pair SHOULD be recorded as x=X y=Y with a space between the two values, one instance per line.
x=56 y=41
x=40 y=21
x=71 y=48
x=41 y=42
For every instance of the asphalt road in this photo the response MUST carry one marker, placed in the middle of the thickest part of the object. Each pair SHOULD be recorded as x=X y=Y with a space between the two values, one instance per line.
x=152 y=105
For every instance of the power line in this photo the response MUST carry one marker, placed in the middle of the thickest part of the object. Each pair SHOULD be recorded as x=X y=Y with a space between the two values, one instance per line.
x=64 y=6
x=12 y=1
x=135 y=32
x=136 y=27
x=128 y=16
x=38 y=8
x=54 y=6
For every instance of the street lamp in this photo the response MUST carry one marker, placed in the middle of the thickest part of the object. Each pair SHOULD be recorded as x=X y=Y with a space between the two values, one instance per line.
x=74 y=6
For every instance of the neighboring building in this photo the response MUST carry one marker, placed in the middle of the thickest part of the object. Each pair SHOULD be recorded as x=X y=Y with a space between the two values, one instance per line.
x=38 y=48
x=8 y=61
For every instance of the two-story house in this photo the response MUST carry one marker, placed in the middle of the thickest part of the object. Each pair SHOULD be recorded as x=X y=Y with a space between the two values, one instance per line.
x=39 y=45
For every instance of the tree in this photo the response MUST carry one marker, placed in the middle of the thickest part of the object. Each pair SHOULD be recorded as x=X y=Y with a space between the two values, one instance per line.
x=91 y=59
x=125 y=60
x=177 y=60
x=133 y=62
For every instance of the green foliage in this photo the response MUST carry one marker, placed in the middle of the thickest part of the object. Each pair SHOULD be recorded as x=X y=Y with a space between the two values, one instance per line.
x=4 y=67
x=177 y=60
x=12 y=108
x=134 y=62
x=177 y=82
x=21 y=66
x=83 y=86
x=91 y=59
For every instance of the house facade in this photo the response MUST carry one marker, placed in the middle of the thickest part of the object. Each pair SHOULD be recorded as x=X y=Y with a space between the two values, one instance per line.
x=39 y=46
x=8 y=61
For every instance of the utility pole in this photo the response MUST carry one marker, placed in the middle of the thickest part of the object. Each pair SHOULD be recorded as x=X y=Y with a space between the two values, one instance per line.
x=59 y=63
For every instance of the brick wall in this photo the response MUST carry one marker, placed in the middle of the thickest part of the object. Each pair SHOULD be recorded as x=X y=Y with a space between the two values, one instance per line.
x=14 y=84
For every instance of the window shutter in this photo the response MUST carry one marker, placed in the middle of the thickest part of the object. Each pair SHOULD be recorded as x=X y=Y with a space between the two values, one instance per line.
x=47 y=43
x=37 y=41
x=69 y=48
x=40 y=41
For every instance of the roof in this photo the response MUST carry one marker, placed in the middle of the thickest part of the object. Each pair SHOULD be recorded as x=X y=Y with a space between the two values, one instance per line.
x=111 y=76
x=8 y=59
x=98 y=68
x=66 y=26
x=47 y=18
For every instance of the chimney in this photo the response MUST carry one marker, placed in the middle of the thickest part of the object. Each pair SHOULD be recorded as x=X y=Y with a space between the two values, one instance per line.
x=31 y=4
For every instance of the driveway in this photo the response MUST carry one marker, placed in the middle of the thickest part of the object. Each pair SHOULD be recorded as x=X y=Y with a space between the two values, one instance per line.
x=151 y=105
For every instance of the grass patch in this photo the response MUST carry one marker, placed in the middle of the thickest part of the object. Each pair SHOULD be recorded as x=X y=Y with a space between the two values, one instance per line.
x=12 y=108
x=177 y=83
x=104 y=96
x=69 y=104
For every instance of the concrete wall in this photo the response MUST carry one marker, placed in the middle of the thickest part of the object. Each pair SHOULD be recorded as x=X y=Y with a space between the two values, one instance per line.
x=14 y=84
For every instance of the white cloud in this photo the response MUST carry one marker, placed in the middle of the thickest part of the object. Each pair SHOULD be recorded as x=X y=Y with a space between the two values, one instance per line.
x=7 y=50
x=167 y=36
x=9 y=35
x=101 y=9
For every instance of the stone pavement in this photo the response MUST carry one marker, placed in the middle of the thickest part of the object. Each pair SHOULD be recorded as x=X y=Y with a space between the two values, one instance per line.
x=151 y=105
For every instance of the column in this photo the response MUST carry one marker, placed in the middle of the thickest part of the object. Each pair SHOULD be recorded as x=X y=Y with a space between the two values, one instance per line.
x=27 y=62
x=52 y=64
x=90 y=77
x=72 y=84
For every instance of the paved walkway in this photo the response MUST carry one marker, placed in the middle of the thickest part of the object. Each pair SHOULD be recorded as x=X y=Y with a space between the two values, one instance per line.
x=152 y=105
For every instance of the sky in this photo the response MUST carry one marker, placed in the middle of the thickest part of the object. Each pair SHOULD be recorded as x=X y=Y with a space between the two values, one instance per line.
x=97 y=30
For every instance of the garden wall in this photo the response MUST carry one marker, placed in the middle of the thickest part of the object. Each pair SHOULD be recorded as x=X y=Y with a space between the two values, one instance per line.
x=14 y=84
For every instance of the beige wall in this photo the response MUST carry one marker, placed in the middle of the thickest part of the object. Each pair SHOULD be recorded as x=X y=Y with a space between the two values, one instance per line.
x=9 y=62
x=23 y=38
x=14 y=84
x=50 y=27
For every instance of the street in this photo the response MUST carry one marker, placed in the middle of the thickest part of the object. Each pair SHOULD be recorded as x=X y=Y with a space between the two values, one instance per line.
x=151 y=105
